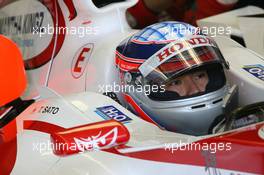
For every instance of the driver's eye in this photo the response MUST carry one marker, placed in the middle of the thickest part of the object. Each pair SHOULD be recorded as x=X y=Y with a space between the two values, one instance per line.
x=200 y=75
x=176 y=82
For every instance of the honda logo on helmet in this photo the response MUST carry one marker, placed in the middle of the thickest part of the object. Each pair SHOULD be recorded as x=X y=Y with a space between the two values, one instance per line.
x=177 y=47
x=173 y=49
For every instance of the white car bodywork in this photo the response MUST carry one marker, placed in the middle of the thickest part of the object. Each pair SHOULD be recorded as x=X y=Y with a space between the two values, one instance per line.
x=35 y=154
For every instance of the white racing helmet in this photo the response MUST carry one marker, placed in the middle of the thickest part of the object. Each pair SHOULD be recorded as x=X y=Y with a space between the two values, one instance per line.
x=156 y=56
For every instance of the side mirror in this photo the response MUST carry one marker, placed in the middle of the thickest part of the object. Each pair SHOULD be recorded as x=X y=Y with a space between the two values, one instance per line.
x=90 y=137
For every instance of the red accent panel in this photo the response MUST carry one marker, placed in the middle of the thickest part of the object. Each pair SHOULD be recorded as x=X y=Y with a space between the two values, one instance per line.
x=42 y=126
x=8 y=152
x=100 y=135
x=137 y=108
x=246 y=136
x=72 y=10
x=8 y=148
x=8 y=133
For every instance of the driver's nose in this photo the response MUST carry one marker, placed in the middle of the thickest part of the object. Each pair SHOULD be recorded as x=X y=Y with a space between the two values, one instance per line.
x=190 y=86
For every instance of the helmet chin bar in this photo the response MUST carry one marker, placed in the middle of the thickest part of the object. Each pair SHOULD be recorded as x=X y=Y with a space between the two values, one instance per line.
x=202 y=115
x=192 y=116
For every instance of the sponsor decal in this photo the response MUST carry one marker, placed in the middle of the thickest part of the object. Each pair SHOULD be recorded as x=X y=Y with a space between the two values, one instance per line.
x=21 y=24
x=111 y=112
x=98 y=141
x=256 y=70
x=261 y=132
x=80 y=60
x=21 y=20
x=245 y=121
x=173 y=49
x=47 y=110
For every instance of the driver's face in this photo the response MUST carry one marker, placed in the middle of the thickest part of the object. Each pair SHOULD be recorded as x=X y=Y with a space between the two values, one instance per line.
x=189 y=84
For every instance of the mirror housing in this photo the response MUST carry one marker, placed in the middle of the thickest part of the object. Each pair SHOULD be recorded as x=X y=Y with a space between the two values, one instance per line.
x=91 y=137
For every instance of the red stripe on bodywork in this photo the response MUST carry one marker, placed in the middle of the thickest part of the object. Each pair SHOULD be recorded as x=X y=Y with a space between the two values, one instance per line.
x=72 y=10
x=244 y=156
x=42 y=126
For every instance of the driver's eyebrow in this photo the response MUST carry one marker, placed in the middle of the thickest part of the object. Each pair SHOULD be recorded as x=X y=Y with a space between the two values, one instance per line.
x=201 y=73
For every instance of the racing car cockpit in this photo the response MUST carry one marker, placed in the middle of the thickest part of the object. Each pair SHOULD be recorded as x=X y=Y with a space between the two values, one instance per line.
x=185 y=70
x=113 y=140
